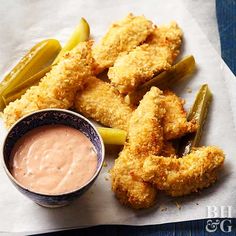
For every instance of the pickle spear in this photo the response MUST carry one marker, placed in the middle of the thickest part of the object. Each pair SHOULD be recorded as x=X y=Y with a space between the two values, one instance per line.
x=112 y=136
x=80 y=34
x=164 y=80
x=40 y=56
x=199 y=113
x=22 y=87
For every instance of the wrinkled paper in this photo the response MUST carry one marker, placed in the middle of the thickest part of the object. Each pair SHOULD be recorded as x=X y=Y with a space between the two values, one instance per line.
x=23 y=23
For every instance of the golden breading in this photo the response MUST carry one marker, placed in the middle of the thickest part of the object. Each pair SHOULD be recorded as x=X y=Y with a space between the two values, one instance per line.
x=145 y=135
x=185 y=175
x=175 y=121
x=122 y=36
x=139 y=66
x=57 y=88
x=100 y=101
x=170 y=36
x=129 y=188
x=168 y=149
x=143 y=62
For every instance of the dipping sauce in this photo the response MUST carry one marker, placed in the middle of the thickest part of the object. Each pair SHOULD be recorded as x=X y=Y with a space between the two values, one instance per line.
x=53 y=159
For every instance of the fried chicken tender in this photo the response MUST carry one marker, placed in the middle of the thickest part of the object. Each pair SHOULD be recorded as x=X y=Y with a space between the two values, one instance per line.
x=167 y=36
x=140 y=170
x=138 y=66
x=129 y=188
x=185 y=175
x=168 y=149
x=122 y=36
x=142 y=63
x=102 y=102
x=175 y=121
x=57 y=89
x=145 y=134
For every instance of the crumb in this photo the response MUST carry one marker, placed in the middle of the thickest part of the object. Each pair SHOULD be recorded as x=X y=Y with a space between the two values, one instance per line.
x=189 y=90
x=177 y=205
x=104 y=164
x=197 y=203
x=106 y=178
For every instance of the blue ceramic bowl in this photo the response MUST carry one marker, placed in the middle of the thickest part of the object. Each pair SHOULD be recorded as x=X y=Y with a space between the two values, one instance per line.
x=49 y=117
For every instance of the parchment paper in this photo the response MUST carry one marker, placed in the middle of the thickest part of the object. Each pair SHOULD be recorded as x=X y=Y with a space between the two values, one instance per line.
x=23 y=23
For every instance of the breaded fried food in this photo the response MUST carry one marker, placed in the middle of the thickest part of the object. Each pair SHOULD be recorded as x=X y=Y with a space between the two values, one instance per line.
x=57 y=89
x=170 y=36
x=122 y=36
x=138 y=66
x=175 y=121
x=145 y=134
x=168 y=149
x=182 y=176
x=102 y=102
x=129 y=188
x=142 y=63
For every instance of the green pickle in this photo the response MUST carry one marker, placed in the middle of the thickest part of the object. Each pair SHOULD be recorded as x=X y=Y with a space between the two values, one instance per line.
x=80 y=34
x=199 y=113
x=40 y=56
x=165 y=79
x=22 y=87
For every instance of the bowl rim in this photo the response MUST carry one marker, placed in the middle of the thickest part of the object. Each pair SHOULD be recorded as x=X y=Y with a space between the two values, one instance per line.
x=95 y=175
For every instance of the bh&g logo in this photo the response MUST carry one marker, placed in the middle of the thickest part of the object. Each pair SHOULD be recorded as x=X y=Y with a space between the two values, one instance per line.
x=225 y=225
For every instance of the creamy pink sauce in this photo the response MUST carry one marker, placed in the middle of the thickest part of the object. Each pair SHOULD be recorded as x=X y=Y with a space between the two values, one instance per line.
x=53 y=159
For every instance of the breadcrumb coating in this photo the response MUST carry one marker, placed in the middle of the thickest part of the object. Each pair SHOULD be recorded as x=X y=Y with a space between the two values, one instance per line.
x=185 y=175
x=57 y=88
x=170 y=35
x=122 y=36
x=168 y=149
x=175 y=121
x=138 y=66
x=142 y=63
x=144 y=137
x=128 y=188
x=102 y=102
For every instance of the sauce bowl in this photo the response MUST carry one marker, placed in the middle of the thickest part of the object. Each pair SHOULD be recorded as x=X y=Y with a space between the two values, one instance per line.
x=50 y=117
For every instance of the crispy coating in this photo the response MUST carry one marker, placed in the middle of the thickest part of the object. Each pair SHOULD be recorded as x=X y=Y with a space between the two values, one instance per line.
x=145 y=134
x=102 y=102
x=129 y=188
x=147 y=60
x=185 y=175
x=122 y=36
x=57 y=88
x=138 y=66
x=170 y=36
x=168 y=149
x=175 y=121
